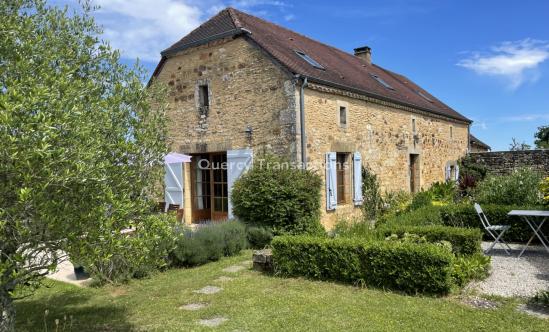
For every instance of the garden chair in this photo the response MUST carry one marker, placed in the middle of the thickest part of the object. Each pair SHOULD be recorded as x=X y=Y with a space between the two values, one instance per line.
x=496 y=231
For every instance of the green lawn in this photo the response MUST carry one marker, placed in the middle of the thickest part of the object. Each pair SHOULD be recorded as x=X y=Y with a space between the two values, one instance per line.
x=255 y=302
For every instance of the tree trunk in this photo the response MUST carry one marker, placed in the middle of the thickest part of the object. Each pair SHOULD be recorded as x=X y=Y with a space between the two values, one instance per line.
x=7 y=311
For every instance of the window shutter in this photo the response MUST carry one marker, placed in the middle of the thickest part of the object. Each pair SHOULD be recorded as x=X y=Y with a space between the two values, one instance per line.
x=331 y=192
x=173 y=184
x=457 y=173
x=238 y=161
x=447 y=176
x=357 y=174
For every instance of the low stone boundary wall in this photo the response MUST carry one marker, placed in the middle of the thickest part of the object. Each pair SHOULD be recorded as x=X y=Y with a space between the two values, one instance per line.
x=504 y=162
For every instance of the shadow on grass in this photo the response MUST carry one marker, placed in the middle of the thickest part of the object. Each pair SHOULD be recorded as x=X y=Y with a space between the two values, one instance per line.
x=70 y=310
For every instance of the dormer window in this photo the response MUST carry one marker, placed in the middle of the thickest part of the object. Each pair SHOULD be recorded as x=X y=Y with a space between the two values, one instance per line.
x=382 y=82
x=309 y=60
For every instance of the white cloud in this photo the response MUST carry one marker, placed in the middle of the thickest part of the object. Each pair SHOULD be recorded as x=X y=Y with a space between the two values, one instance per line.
x=289 y=17
x=143 y=28
x=516 y=62
x=526 y=117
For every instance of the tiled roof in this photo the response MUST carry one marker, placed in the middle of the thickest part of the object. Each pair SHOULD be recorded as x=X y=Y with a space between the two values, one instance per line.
x=476 y=141
x=341 y=69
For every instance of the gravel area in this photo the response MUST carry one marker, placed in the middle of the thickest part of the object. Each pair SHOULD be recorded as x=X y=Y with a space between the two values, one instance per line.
x=511 y=276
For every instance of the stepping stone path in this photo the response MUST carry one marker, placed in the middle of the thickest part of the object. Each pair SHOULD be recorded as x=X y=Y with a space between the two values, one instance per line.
x=208 y=290
x=193 y=306
x=234 y=268
x=224 y=278
x=212 y=322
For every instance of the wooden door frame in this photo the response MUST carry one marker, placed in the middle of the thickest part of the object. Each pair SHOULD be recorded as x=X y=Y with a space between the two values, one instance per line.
x=206 y=214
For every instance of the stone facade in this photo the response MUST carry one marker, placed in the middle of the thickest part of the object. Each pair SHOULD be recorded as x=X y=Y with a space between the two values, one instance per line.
x=248 y=92
x=254 y=104
x=504 y=162
x=382 y=133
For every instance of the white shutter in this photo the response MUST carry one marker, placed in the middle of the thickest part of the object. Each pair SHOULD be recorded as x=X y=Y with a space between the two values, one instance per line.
x=238 y=161
x=173 y=183
x=457 y=172
x=331 y=186
x=447 y=175
x=357 y=178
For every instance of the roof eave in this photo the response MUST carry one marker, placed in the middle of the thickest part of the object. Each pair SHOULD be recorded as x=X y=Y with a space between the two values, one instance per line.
x=383 y=98
x=230 y=33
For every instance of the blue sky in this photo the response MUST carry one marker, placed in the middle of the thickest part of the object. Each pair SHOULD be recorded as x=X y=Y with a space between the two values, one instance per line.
x=489 y=60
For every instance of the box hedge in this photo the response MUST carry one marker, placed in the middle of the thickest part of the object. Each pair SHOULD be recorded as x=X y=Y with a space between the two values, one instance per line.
x=465 y=241
x=464 y=215
x=408 y=267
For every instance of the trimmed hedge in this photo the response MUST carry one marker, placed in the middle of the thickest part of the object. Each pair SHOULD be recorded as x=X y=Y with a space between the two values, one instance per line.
x=427 y=215
x=408 y=267
x=465 y=241
x=464 y=215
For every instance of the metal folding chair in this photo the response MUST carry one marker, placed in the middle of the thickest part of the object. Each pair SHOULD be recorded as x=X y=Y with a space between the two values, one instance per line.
x=496 y=231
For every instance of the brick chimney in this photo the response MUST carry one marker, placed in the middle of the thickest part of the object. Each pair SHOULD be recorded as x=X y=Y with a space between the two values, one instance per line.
x=365 y=53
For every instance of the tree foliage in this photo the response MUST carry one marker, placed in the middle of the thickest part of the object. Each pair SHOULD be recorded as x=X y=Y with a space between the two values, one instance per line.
x=542 y=137
x=80 y=143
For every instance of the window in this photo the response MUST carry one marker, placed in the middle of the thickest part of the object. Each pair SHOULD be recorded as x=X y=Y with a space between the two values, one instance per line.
x=424 y=96
x=309 y=60
x=414 y=126
x=203 y=96
x=382 y=82
x=451 y=132
x=343 y=178
x=343 y=116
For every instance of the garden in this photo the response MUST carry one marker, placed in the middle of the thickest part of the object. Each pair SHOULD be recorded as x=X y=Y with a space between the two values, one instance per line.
x=82 y=149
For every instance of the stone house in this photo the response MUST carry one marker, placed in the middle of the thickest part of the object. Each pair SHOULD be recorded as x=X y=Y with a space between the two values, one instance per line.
x=476 y=145
x=240 y=86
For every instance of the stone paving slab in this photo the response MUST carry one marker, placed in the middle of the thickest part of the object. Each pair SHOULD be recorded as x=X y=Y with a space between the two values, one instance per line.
x=212 y=322
x=208 y=290
x=193 y=306
x=234 y=268
x=65 y=273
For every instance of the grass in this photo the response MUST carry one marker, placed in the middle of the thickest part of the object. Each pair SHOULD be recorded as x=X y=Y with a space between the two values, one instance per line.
x=255 y=302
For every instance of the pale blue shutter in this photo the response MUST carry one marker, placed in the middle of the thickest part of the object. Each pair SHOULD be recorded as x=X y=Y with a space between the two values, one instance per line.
x=357 y=178
x=457 y=173
x=447 y=174
x=331 y=192
x=173 y=184
x=238 y=161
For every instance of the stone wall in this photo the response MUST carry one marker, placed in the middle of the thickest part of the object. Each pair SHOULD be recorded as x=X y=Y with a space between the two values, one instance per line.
x=382 y=133
x=247 y=91
x=504 y=162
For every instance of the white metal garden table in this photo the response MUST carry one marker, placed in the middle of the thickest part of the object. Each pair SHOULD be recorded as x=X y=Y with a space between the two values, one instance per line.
x=535 y=220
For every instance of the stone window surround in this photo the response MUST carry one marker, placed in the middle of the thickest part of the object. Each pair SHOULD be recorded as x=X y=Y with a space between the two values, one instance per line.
x=341 y=103
x=201 y=82
x=452 y=164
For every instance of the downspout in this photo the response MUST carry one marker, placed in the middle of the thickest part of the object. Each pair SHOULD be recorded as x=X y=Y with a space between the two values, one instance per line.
x=302 y=123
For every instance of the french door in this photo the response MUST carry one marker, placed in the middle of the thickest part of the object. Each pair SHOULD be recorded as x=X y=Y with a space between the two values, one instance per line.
x=209 y=190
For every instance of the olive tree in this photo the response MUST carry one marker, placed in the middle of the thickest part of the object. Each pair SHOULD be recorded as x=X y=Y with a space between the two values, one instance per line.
x=81 y=141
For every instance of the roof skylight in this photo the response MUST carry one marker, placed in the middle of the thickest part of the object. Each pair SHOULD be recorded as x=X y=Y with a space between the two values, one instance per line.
x=424 y=96
x=382 y=82
x=309 y=60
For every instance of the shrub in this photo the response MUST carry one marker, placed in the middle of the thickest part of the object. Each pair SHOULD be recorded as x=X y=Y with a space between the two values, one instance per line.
x=467 y=268
x=234 y=237
x=544 y=188
x=428 y=215
x=259 y=237
x=209 y=243
x=521 y=187
x=285 y=199
x=443 y=191
x=372 y=205
x=396 y=202
x=355 y=228
x=421 y=199
x=409 y=267
x=464 y=215
x=465 y=241
x=120 y=257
